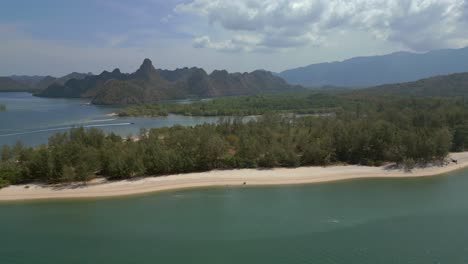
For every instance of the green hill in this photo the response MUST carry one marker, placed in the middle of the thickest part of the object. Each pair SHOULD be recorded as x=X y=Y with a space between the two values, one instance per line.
x=453 y=85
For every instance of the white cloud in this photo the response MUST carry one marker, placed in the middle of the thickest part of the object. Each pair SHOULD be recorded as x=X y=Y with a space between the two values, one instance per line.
x=236 y=43
x=416 y=24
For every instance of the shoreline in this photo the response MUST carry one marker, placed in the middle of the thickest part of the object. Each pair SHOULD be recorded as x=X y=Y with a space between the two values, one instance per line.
x=101 y=188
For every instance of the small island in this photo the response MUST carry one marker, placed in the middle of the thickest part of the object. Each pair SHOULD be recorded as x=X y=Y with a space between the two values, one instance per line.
x=3 y=108
x=405 y=133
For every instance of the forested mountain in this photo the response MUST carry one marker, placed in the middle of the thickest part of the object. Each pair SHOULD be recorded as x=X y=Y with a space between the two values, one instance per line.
x=452 y=85
x=376 y=70
x=10 y=85
x=148 y=84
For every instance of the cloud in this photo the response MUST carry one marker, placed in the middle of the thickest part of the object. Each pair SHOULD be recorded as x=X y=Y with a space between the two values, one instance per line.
x=24 y=53
x=237 y=43
x=166 y=18
x=416 y=24
x=117 y=40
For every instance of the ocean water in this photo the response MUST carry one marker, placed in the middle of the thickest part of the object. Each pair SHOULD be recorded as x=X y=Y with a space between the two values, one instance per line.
x=351 y=222
x=32 y=120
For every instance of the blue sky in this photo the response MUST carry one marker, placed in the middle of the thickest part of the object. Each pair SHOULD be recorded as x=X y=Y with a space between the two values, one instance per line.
x=57 y=37
x=84 y=21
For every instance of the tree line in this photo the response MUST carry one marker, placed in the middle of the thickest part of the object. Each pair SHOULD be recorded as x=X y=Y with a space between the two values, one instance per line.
x=293 y=102
x=404 y=131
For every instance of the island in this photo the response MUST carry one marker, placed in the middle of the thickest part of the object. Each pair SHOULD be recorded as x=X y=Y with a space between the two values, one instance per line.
x=358 y=133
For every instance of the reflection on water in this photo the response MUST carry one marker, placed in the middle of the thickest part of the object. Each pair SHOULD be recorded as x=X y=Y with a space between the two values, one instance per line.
x=33 y=120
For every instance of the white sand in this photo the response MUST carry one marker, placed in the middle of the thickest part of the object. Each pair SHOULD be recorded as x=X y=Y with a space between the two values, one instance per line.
x=301 y=175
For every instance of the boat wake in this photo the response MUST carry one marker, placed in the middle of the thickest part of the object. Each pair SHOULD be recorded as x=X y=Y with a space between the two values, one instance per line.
x=64 y=128
x=102 y=120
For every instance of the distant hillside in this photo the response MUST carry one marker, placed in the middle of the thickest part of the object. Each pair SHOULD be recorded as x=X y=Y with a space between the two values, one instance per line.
x=45 y=82
x=30 y=81
x=49 y=80
x=35 y=83
x=148 y=84
x=9 y=85
x=452 y=85
x=376 y=70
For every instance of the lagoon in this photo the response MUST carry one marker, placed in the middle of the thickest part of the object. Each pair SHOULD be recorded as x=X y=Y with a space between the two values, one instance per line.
x=32 y=120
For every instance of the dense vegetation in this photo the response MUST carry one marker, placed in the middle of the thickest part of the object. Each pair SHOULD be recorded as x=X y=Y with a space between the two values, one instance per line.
x=298 y=103
x=2 y=107
x=405 y=131
x=453 y=85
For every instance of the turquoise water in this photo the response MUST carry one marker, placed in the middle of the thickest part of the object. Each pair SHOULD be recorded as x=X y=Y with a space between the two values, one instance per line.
x=362 y=221
x=33 y=120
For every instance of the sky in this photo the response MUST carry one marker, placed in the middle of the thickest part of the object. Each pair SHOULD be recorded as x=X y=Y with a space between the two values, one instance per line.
x=56 y=37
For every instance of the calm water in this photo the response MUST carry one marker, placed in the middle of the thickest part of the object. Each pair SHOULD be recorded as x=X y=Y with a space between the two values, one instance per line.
x=364 y=221
x=33 y=120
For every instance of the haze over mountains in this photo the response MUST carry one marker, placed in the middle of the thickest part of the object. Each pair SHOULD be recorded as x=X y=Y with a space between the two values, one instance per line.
x=376 y=70
x=30 y=81
x=9 y=85
x=49 y=80
x=21 y=83
x=148 y=84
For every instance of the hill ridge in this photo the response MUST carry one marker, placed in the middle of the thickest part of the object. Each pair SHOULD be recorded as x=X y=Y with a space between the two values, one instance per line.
x=148 y=84
x=367 y=71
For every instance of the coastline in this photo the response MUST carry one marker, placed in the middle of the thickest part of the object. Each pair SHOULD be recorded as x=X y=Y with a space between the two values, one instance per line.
x=100 y=188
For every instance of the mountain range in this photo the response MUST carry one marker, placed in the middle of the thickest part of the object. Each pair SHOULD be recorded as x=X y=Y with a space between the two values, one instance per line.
x=376 y=70
x=25 y=83
x=9 y=85
x=49 y=80
x=149 y=84
x=28 y=80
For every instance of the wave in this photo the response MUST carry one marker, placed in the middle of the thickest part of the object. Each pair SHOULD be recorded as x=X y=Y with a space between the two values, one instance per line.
x=63 y=128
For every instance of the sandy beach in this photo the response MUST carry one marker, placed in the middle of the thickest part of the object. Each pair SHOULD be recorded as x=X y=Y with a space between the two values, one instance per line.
x=278 y=176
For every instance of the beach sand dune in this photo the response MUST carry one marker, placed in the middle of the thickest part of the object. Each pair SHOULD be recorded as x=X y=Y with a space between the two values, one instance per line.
x=302 y=175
